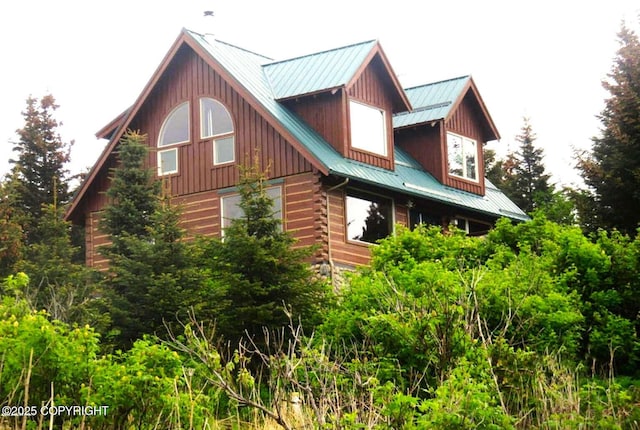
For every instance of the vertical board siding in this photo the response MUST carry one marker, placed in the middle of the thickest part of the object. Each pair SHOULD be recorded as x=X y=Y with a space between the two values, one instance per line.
x=324 y=113
x=371 y=88
x=466 y=122
x=423 y=143
x=188 y=78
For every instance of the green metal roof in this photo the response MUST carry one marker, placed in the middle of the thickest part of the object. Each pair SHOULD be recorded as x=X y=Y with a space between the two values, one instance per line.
x=431 y=102
x=408 y=178
x=316 y=72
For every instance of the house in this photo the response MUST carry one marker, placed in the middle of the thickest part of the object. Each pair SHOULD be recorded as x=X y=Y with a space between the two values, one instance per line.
x=350 y=152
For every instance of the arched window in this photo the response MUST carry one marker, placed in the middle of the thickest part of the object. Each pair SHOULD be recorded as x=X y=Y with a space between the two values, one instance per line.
x=216 y=123
x=175 y=129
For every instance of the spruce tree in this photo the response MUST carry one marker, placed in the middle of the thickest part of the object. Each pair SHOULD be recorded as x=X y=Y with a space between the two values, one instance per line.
x=56 y=283
x=258 y=270
x=531 y=179
x=134 y=196
x=525 y=180
x=493 y=169
x=39 y=170
x=11 y=232
x=612 y=171
x=152 y=277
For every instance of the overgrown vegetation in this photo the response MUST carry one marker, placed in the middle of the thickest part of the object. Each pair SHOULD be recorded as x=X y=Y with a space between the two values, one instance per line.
x=533 y=326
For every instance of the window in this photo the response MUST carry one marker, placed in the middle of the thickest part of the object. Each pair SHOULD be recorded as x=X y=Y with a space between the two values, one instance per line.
x=462 y=156
x=418 y=216
x=175 y=130
x=216 y=123
x=168 y=161
x=369 y=217
x=368 y=128
x=230 y=206
x=176 y=127
x=472 y=227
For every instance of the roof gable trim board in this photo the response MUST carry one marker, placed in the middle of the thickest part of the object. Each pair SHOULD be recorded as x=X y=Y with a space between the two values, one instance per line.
x=404 y=103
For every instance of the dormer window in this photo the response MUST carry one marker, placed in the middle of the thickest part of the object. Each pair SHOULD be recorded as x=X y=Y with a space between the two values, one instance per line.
x=368 y=128
x=462 y=156
x=175 y=130
x=216 y=123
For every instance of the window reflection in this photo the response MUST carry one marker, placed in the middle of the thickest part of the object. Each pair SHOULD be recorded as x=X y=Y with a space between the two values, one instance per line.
x=369 y=217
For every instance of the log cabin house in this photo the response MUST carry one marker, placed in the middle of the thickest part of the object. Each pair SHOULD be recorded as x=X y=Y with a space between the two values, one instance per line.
x=350 y=152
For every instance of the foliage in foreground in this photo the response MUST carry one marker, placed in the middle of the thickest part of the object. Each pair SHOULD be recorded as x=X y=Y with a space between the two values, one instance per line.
x=525 y=328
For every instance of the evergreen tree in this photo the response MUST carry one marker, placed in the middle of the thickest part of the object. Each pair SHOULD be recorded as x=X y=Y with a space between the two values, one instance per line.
x=258 y=269
x=156 y=281
x=40 y=166
x=493 y=169
x=531 y=183
x=134 y=196
x=612 y=171
x=11 y=233
x=152 y=277
x=56 y=283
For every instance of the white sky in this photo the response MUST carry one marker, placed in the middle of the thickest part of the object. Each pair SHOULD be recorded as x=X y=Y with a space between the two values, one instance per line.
x=543 y=59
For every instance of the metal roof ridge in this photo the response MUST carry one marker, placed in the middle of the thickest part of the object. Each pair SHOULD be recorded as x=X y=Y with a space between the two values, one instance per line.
x=438 y=82
x=424 y=108
x=204 y=37
x=319 y=52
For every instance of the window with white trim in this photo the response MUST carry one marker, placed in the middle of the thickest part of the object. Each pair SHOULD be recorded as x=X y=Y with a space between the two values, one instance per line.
x=471 y=227
x=174 y=131
x=368 y=128
x=369 y=217
x=216 y=123
x=230 y=206
x=168 y=161
x=418 y=216
x=462 y=156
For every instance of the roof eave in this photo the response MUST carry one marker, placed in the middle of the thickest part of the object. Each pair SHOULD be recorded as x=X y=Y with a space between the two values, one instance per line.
x=126 y=119
x=431 y=122
x=435 y=198
x=107 y=131
x=332 y=90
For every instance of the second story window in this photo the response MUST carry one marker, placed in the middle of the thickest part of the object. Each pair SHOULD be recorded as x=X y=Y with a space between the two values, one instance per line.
x=216 y=123
x=368 y=128
x=462 y=156
x=175 y=130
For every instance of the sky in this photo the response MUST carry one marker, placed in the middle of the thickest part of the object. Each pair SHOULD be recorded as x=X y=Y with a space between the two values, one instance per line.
x=544 y=60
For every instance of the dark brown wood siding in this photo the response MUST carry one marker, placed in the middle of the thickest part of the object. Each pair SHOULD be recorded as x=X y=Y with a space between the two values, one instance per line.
x=466 y=122
x=372 y=88
x=401 y=214
x=424 y=144
x=188 y=78
x=304 y=215
x=325 y=113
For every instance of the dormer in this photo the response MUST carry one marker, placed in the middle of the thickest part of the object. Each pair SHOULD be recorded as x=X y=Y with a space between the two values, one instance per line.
x=446 y=132
x=348 y=95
